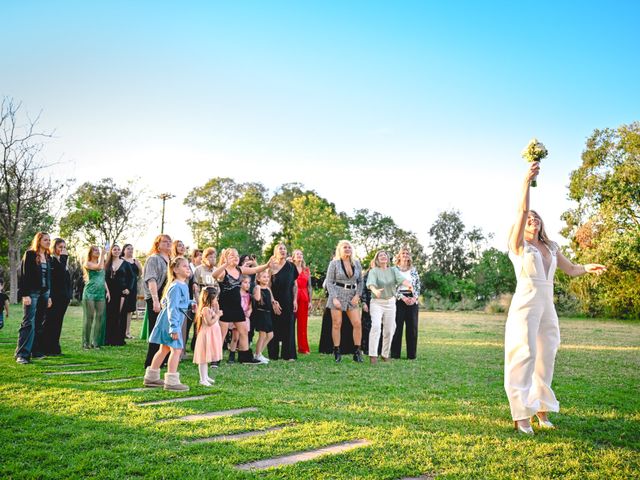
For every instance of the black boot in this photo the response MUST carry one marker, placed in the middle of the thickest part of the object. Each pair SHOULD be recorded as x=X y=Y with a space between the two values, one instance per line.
x=232 y=357
x=337 y=355
x=357 y=355
x=246 y=356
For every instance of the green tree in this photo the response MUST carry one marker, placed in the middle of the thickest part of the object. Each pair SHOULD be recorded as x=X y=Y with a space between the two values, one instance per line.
x=26 y=194
x=454 y=251
x=316 y=228
x=604 y=226
x=209 y=204
x=101 y=212
x=242 y=226
x=493 y=274
x=374 y=231
x=281 y=209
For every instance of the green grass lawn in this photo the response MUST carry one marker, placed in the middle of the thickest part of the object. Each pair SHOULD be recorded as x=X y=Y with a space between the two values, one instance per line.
x=444 y=415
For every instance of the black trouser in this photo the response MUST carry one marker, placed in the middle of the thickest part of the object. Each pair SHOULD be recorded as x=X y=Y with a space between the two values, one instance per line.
x=284 y=327
x=153 y=347
x=52 y=328
x=405 y=314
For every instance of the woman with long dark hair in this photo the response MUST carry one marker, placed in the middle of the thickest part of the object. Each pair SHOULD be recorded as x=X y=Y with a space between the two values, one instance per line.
x=304 y=299
x=61 y=293
x=131 y=300
x=120 y=279
x=285 y=303
x=34 y=289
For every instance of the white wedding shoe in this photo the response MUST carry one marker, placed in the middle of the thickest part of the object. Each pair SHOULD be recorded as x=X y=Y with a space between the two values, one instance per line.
x=524 y=429
x=544 y=423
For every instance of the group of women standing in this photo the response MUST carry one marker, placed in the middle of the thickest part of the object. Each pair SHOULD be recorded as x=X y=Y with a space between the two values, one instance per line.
x=390 y=301
x=44 y=286
x=109 y=296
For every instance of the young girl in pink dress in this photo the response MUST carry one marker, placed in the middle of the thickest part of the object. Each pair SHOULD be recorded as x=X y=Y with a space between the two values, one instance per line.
x=209 y=339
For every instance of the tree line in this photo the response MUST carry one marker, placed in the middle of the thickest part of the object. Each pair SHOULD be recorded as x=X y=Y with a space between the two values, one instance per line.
x=458 y=267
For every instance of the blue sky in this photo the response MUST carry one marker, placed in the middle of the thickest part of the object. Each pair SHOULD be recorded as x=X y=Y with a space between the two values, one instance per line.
x=408 y=108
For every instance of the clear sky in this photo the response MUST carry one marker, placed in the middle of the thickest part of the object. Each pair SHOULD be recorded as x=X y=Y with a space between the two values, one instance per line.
x=407 y=108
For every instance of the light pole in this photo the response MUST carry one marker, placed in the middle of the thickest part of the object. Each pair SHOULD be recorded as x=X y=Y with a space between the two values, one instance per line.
x=164 y=197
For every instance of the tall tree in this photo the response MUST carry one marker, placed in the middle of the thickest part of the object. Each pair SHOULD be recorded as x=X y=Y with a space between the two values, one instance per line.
x=373 y=231
x=316 y=228
x=243 y=225
x=604 y=226
x=99 y=213
x=281 y=208
x=209 y=204
x=25 y=192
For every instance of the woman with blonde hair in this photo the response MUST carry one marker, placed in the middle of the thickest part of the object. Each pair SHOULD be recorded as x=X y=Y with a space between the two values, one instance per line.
x=229 y=276
x=344 y=284
x=532 y=335
x=406 y=306
x=34 y=287
x=383 y=282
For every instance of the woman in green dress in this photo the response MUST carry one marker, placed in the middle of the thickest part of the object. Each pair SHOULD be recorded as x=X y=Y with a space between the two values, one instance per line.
x=94 y=299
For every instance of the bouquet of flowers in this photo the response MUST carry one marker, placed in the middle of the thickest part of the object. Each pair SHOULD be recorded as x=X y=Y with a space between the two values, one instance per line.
x=534 y=152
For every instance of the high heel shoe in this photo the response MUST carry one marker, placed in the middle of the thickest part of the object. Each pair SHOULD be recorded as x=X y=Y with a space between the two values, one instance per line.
x=337 y=355
x=526 y=430
x=543 y=423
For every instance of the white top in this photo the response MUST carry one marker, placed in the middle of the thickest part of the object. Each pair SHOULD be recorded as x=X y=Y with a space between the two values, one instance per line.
x=530 y=265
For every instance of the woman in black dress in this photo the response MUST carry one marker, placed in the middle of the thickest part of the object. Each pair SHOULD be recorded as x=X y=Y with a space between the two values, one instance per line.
x=131 y=301
x=285 y=293
x=60 y=297
x=119 y=278
x=229 y=277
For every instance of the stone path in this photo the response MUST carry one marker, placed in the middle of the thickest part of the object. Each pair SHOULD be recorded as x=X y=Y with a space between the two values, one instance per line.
x=78 y=372
x=172 y=400
x=236 y=436
x=303 y=456
x=221 y=413
x=118 y=380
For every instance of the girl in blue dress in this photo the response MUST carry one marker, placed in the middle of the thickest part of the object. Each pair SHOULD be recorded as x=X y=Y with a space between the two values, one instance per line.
x=167 y=331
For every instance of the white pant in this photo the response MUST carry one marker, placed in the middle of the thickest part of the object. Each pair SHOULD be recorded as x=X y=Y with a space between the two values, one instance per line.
x=382 y=312
x=532 y=338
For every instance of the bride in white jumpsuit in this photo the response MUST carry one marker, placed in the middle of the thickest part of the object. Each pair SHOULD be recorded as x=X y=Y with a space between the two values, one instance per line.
x=532 y=336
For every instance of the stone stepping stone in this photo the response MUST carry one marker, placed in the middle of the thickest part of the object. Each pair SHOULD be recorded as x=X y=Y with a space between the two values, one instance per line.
x=124 y=390
x=118 y=380
x=221 y=413
x=303 y=456
x=172 y=400
x=67 y=364
x=235 y=436
x=78 y=372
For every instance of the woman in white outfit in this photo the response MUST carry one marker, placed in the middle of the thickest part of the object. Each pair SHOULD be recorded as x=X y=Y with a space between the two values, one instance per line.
x=532 y=335
x=383 y=282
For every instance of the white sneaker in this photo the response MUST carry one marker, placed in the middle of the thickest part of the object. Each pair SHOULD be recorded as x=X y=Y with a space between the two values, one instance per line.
x=262 y=359
x=205 y=383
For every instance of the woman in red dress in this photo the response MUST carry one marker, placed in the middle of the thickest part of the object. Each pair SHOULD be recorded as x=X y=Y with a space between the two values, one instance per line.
x=304 y=298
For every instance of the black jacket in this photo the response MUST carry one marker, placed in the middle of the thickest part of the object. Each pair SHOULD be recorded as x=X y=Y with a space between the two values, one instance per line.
x=60 y=278
x=30 y=275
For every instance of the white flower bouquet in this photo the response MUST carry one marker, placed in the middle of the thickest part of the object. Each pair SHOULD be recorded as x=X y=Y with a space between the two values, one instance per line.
x=534 y=152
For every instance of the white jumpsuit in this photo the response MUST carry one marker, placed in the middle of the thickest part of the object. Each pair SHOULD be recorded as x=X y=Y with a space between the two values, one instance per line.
x=532 y=336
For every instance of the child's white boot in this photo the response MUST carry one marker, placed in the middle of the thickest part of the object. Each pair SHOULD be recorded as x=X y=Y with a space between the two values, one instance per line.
x=152 y=378
x=172 y=382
